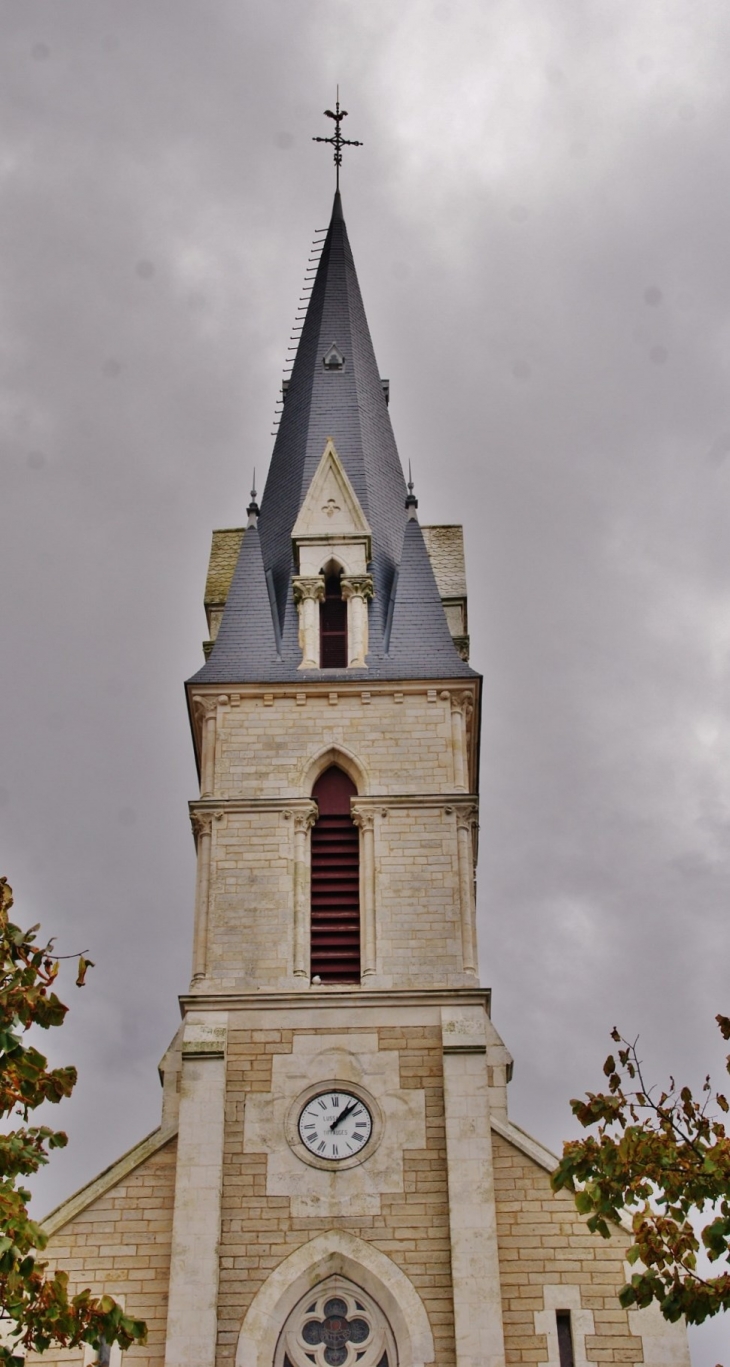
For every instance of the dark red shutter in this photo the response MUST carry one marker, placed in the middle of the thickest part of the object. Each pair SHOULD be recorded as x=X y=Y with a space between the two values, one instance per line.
x=335 y=881
x=333 y=626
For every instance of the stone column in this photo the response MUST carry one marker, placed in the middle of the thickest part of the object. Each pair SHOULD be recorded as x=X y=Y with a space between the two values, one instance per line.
x=466 y=820
x=308 y=594
x=357 y=590
x=206 y=708
x=192 y=1318
x=304 y=818
x=202 y=823
x=365 y=821
x=461 y=708
x=478 y=1327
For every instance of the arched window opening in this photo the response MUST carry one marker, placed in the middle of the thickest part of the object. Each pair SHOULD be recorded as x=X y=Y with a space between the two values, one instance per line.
x=335 y=946
x=336 y=1325
x=333 y=625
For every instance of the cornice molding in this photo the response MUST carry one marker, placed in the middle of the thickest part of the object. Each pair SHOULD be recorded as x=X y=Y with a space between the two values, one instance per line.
x=324 y=686
x=387 y=801
x=203 y=807
x=335 y=997
x=383 y=802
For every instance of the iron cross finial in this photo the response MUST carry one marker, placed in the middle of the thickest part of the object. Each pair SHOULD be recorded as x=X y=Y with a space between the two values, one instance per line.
x=337 y=140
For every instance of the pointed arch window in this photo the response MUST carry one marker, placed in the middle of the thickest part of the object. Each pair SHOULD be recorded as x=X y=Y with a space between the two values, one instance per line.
x=333 y=624
x=337 y=1324
x=335 y=913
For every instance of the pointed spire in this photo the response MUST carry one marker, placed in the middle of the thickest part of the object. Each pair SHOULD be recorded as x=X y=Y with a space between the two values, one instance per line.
x=245 y=647
x=419 y=643
x=335 y=391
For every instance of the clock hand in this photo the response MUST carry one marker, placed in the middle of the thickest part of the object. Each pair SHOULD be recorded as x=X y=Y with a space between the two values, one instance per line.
x=344 y=1115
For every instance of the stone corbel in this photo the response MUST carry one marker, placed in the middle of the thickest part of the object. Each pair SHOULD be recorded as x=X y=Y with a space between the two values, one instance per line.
x=308 y=594
x=467 y=818
x=357 y=590
x=202 y=824
x=364 y=819
x=303 y=818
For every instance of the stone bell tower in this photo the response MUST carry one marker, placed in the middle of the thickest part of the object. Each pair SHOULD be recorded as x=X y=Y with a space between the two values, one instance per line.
x=335 y=1181
x=336 y=725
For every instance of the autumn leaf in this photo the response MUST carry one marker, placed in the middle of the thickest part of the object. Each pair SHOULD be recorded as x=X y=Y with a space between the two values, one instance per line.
x=36 y=1306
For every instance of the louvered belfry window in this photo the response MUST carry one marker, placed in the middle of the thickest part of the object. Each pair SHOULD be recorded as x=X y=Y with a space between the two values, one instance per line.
x=335 y=956
x=333 y=626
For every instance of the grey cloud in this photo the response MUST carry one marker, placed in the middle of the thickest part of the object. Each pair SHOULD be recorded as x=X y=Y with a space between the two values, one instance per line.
x=539 y=216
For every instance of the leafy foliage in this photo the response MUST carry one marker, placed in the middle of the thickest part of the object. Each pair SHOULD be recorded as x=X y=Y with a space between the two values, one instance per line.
x=36 y=1308
x=660 y=1160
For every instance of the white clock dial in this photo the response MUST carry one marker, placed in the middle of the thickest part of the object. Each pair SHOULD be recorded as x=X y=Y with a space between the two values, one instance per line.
x=335 y=1125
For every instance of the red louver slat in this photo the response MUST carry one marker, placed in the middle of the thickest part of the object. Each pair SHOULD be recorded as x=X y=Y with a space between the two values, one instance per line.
x=335 y=951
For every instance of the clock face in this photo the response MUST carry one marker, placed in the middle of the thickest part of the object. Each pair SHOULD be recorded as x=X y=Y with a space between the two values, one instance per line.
x=335 y=1125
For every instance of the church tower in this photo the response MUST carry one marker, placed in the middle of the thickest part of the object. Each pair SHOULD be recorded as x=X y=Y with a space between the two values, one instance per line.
x=336 y=1182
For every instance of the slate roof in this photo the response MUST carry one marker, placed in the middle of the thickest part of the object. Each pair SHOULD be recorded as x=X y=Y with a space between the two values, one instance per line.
x=258 y=636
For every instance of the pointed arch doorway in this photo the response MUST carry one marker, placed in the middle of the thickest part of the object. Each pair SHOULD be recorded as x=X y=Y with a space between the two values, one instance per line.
x=336 y=1324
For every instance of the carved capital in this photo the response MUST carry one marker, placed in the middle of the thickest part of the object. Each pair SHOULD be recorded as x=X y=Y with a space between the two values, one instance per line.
x=202 y=822
x=463 y=703
x=467 y=817
x=302 y=817
x=205 y=705
x=305 y=589
x=305 y=817
x=364 y=819
x=358 y=586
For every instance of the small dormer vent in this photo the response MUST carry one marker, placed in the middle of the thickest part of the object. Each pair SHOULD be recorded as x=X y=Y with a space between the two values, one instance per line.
x=333 y=359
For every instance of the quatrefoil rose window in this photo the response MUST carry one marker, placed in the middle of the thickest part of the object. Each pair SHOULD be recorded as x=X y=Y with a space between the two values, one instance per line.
x=337 y=1325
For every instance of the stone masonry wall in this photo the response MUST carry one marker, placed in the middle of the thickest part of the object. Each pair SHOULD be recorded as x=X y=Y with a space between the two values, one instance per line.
x=120 y=1246
x=259 y=1231
x=543 y=1243
x=402 y=741
x=264 y=757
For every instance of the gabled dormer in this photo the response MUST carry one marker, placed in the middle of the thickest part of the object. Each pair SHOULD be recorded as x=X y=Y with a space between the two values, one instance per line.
x=332 y=585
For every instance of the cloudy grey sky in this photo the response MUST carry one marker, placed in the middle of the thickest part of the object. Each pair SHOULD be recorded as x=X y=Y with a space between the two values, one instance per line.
x=540 y=220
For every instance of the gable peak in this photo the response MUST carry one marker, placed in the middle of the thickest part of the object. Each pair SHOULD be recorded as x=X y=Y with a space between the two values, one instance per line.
x=331 y=508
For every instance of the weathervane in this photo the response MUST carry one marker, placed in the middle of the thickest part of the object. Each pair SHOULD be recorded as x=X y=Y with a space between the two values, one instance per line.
x=337 y=140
